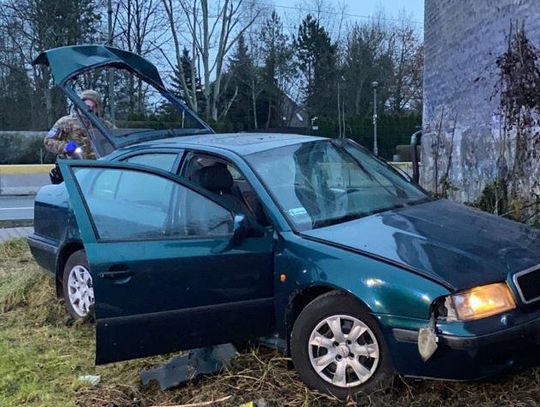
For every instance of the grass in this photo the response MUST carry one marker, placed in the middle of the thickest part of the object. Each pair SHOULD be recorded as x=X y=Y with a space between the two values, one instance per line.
x=43 y=353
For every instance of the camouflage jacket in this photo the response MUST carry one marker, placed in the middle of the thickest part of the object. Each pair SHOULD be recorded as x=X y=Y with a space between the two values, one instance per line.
x=66 y=129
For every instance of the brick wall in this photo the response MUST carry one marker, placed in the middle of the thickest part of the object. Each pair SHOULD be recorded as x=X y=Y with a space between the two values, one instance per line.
x=463 y=39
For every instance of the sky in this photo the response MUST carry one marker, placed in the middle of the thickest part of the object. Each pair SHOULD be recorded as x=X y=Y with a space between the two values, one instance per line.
x=357 y=10
x=391 y=7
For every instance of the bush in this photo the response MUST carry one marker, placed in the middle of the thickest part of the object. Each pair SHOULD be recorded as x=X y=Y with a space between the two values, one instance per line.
x=392 y=130
x=20 y=148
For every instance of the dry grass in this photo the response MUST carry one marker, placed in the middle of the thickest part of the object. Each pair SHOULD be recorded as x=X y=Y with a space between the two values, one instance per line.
x=43 y=353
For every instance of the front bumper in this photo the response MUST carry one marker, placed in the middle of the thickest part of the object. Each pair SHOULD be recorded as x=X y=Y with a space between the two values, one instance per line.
x=470 y=357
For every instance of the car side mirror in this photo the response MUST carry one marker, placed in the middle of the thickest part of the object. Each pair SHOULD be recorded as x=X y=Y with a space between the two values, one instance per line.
x=243 y=228
x=239 y=228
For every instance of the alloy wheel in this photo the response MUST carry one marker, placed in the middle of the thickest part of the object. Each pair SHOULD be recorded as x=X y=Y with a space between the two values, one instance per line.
x=80 y=290
x=343 y=351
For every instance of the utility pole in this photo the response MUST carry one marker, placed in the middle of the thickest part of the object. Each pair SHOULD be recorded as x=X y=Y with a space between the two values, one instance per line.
x=342 y=118
x=111 y=72
x=374 y=85
x=339 y=110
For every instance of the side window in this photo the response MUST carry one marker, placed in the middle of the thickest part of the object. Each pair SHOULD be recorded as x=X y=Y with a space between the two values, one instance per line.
x=239 y=191
x=163 y=161
x=131 y=213
x=198 y=216
x=103 y=185
x=155 y=192
x=235 y=173
x=199 y=161
x=152 y=194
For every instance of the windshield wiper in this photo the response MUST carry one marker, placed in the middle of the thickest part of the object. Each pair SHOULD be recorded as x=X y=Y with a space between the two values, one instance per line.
x=353 y=216
x=340 y=219
x=419 y=201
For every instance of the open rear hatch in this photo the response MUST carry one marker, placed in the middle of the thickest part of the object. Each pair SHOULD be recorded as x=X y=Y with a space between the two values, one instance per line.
x=136 y=105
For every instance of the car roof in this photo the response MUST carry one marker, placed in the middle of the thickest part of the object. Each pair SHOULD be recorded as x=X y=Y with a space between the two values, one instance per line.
x=240 y=143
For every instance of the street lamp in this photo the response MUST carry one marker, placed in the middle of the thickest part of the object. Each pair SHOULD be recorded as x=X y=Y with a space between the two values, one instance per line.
x=314 y=124
x=110 y=91
x=374 y=85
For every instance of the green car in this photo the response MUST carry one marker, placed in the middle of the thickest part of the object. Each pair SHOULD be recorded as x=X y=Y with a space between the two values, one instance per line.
x=178 y=238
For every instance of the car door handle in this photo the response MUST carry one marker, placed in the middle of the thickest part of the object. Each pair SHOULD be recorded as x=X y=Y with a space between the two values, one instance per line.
x=116 y=275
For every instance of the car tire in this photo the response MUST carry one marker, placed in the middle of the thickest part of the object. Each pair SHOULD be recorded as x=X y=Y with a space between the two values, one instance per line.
x=77 y=286
x=346 y=365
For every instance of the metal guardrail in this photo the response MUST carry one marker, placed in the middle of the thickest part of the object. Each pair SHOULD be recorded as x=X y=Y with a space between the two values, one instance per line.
x=25 y=168
x=23 y=179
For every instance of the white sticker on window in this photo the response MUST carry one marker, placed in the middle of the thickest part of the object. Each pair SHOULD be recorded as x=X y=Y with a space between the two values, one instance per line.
x=300 y=211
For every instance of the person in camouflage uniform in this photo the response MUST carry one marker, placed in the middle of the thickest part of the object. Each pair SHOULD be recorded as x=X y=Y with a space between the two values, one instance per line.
x=69 y=138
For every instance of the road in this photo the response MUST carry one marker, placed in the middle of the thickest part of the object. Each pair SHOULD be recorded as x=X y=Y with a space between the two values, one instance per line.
x=16 y=207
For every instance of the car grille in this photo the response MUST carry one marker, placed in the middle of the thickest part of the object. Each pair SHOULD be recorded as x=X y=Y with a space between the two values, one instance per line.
x=528 y=284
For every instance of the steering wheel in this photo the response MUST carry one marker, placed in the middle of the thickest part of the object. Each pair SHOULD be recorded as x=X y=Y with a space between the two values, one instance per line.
x=223 y=222
x=342 y=199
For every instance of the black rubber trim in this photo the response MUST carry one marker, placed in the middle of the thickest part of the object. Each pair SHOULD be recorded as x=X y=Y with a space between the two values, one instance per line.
x=526 y=329
x=41 y=243
x=204 y=308
x=405 y=335
x=529 y=329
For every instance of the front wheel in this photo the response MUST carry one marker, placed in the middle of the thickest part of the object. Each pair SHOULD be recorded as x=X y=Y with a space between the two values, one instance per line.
x=78 y=287
x=338 y=348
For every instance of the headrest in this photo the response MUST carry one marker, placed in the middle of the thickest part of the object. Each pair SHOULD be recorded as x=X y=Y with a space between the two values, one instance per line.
x=214 y=178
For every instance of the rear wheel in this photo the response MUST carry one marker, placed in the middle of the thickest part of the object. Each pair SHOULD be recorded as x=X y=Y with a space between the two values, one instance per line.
x=78 y=288
x=338 y=348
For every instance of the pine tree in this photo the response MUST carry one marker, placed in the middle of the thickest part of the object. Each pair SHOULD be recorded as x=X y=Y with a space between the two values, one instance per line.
x=187 y=67
x=277 y=69
x=367 y=59
x=241 y=80
x=317 y=57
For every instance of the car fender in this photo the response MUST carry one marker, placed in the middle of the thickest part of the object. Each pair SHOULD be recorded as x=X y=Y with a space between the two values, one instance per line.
x=389 y=292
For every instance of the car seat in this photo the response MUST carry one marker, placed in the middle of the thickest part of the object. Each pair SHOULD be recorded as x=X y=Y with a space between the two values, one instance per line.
x=218 y=180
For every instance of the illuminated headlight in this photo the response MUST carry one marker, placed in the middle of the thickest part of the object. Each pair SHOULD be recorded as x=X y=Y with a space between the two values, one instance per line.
x=479 y=302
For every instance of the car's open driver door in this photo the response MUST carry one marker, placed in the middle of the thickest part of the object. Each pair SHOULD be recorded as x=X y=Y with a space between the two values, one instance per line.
x=164 y=272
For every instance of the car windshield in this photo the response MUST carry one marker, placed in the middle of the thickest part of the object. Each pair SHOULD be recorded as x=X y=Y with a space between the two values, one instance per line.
x=325 y=182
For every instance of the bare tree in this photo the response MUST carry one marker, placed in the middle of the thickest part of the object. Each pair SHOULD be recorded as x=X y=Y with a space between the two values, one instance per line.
x=407 y=53
x=212 y=33
x=36 y=25
x=142 y=29
x=367 y=59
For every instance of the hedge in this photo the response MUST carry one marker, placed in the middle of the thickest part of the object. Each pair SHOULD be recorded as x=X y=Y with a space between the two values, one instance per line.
x=392 y=130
